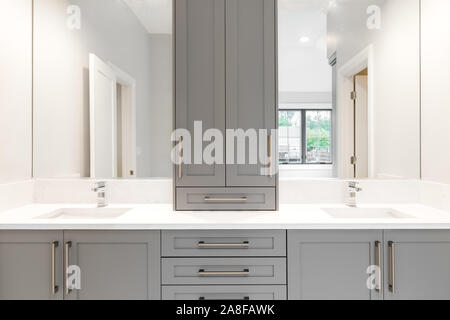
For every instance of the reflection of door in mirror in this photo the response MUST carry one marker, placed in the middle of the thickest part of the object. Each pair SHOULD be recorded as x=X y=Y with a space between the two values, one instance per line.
x=112 y=121
x=360 y=158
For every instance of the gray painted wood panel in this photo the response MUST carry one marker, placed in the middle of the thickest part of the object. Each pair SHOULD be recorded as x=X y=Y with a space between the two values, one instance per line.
x=422 y=264
x=200 y=78
x=250 y=80
x=225 y=199
x=178 y=271
x=116 y=264
x=224 y=293
x=330 y=264
x=212 y=243
x=26 y=264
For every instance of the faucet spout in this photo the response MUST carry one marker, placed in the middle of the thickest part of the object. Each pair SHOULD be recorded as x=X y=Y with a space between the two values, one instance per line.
x=100 y=189
x=352 y=191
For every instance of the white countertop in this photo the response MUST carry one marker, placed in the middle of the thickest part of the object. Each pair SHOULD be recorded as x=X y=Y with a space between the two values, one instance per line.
x=162 y=217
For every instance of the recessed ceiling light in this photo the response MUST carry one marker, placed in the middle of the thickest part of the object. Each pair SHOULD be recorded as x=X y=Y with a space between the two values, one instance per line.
x=304 y=39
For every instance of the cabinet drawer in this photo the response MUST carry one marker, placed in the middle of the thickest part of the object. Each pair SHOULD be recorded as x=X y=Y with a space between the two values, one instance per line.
x=226 y=199
x=234 y=243
x=224 y=293
x=238 y=271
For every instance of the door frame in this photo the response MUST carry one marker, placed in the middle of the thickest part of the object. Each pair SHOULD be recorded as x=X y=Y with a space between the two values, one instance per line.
x=128 y=119
x=344 y=110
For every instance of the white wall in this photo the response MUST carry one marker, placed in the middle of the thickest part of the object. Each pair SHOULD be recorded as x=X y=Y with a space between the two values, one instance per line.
x=395 y=75
x=111 y=31
x=435 y=90
x=15 y=90
x=161 y=101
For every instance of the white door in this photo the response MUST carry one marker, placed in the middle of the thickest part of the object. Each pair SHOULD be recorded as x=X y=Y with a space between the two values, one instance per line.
x=103 y=119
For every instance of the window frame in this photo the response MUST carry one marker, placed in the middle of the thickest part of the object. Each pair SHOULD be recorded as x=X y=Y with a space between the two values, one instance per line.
x=303 y=112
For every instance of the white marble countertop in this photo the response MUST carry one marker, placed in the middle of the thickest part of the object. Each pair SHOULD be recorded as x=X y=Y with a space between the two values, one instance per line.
x=162 y=217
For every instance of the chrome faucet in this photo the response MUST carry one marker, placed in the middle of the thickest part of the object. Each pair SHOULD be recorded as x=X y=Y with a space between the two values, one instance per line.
x=100 y=189
x=353 y=189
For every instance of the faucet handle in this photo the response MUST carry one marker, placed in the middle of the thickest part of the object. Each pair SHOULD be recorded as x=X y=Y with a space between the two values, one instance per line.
x=354 y=185
x=99 y=186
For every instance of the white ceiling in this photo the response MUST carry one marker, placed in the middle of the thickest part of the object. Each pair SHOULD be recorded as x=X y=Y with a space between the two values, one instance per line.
x=303 y=67
x=155 y=15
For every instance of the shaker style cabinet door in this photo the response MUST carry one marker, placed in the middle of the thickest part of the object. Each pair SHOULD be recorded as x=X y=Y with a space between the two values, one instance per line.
x=332 y=265
x=200 y=83
x=114 y=265
x=251 y=84
x=417 y=264
x=30 y=265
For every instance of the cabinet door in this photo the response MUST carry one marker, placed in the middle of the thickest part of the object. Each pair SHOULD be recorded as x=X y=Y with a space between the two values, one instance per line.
x=115 y=264
x=251 y=82
x=30 y=265
x=329 y=264
x=200 y=81
x=417 y=264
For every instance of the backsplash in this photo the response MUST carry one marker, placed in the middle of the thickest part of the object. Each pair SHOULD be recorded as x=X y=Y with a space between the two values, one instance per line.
x=334 y=191
x=118 y=191
x=17 y=194
x=436 y=195
x=292 y=191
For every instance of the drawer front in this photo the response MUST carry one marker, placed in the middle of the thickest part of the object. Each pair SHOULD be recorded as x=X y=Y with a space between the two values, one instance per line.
x=224 y=293
x=226 y=199
x=230 y=271
x=233 y=243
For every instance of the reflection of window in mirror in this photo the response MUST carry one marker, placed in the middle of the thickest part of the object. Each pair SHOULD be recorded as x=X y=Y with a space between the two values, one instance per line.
x=358 y=62
x=305 y=91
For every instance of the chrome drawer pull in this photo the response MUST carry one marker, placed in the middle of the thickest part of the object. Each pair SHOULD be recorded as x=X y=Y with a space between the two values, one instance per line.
x=204 y=298
x=209 y=199
x=243 y=245
x=203 y=272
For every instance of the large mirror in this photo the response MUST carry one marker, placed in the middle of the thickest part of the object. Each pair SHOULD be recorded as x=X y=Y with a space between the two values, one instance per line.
x=348 y=78
x=102 y=88
x=349 y=82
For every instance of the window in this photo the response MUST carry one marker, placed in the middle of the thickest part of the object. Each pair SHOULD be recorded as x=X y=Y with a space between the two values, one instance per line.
x=305 y=136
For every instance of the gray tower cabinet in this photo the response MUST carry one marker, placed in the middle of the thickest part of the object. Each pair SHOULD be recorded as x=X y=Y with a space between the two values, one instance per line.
x=225 y=76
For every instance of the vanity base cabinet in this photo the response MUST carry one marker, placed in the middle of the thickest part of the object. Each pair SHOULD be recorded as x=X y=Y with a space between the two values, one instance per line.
x=224 y=293
x=328 y=264
x=417 y=264
x=117 y=265
x=30 y=267
x=224 y=265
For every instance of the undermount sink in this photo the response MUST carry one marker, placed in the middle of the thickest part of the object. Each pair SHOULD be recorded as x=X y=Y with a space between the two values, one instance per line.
x=365 y=213
x=85 y=213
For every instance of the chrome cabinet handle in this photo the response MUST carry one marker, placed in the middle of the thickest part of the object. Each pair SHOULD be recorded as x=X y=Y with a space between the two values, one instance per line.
x=391 y=277
x=269 y=153
x=180 y=156
x=209 y=199
x=244 y=245
x=203 y=272
x=54 y=288
x=204 y=298
x=67 y=247
x=379 y=264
